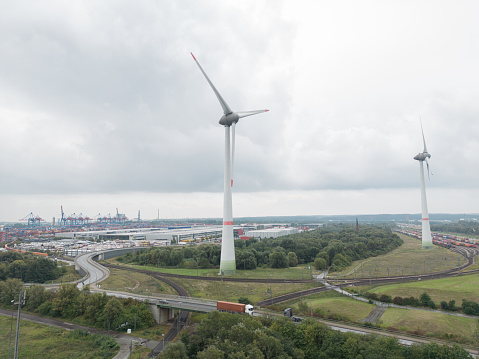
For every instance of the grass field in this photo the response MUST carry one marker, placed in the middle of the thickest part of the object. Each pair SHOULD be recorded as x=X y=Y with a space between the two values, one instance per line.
x=134 y=282
x=333 y=305
x=70 y=276
x=40 y=341
x=231 y=291
x=431 y=324
x=138 y=283
x=456 y=288
x=300 y=272
x=329 y=304
x=407 y=259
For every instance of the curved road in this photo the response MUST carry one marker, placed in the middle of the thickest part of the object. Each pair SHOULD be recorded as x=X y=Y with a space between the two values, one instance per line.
x=96 y=273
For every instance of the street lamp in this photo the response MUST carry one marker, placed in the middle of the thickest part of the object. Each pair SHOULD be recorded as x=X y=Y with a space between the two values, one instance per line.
x=11 y=329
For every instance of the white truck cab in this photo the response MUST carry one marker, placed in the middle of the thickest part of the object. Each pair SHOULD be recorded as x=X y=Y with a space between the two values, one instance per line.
x=249 y=309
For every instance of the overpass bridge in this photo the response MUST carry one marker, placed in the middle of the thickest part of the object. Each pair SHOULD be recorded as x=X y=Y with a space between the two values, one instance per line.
x=162 y=307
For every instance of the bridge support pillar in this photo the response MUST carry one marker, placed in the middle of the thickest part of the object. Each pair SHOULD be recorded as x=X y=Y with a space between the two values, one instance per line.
x=160 y=314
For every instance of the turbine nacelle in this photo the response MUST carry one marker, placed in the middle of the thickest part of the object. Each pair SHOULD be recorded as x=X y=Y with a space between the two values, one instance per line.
x=229 y=119
x=422 y=156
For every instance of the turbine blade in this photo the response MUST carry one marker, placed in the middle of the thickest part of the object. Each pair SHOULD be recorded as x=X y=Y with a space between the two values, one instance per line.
x=427 y=165
x=423 y=139
x=250 y=113
x=224 y=105
x=233 y=136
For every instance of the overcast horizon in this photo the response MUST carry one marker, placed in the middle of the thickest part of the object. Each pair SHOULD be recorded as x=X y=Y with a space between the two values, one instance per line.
x=102 y=107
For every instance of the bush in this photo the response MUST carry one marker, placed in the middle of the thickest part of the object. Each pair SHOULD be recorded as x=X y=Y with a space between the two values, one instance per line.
x=444 y=305
x=244 y=300
x=385 y=298
x=425 y=299
x=372 y=296
x=470 y=307
x=452 y=305
x=398 y=300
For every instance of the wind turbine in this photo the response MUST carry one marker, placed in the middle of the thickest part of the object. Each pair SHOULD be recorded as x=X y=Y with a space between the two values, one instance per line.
x=426 y=228
x=229 y=120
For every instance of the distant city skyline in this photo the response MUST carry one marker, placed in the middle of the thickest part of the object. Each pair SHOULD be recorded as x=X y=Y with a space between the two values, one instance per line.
x=100 y=107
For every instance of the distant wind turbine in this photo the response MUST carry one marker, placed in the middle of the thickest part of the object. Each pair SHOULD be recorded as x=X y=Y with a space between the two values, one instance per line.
x=229 y=119
x=426 y=228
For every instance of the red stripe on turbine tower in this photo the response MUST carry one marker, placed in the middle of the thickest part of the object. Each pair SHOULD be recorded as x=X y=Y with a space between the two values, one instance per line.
x=228 y=223
x=425 y=219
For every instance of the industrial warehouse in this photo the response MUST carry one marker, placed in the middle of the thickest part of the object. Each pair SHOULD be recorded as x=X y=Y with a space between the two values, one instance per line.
x=176 y=235
x=168 y=235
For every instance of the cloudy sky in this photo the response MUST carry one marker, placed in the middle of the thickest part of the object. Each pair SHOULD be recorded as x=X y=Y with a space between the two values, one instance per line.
x=103 y=107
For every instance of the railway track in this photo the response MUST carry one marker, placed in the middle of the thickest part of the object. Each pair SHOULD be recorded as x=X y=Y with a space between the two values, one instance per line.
x=467 y=253
x=178 y=323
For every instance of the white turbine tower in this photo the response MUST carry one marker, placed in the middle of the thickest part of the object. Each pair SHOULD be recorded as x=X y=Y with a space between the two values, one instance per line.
x=426 y=228
x=229 y=119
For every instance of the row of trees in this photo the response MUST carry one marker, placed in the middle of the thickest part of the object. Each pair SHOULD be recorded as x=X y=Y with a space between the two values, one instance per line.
x=463 y=227
x=223 y=335
x=28 y=267
x=423 y=301
x=467 y=307
x=94 y=309
x=333 y=245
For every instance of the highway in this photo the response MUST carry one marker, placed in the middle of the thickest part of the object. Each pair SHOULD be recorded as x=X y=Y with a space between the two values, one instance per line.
x=94 y=272
x=97 y=273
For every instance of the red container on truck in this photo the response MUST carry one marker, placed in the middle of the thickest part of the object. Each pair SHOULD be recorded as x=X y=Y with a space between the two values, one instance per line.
x=234 y=307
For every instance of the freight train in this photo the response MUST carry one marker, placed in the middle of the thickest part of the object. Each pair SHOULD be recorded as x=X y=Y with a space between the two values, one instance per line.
x=443 y=240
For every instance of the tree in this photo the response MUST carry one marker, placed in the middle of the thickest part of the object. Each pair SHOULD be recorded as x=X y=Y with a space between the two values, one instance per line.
x=270 y=346
x=319 y=264
x=211 y=353
x=176 y=257
x=65 y=303
x=10 y=289
x=174 y=351
x=36 y=295
x=245 y=259
x=112 y=313
x=278 y=259
x=292 y=259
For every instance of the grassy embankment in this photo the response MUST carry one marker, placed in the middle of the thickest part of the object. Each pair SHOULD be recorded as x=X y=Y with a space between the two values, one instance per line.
x=41 y=341
x=135 y=282
x=297 y=273
x=408 y=259
x=331 y=305
x=129 y=281
x=436 y=325
x=71 y=274
x=446 y=289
